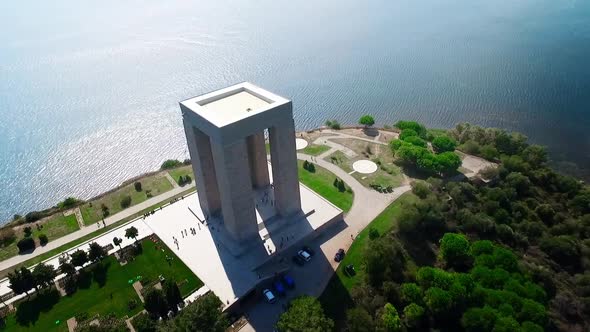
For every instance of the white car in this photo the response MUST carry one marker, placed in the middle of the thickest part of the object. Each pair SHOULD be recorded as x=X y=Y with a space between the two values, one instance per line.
x=304 y=254
x=270 y=297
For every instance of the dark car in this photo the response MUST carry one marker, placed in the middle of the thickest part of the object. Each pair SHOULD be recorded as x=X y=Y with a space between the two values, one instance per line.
x=279 y=288
x=309 y=250
x=298 y=260
x=339 y=255
x=288 y=281
x=349 y=270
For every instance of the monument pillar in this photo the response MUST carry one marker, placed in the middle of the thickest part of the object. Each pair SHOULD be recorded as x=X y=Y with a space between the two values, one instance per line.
x=258 y=161
x=235 y=189
x=285 y=176
x=199 y=147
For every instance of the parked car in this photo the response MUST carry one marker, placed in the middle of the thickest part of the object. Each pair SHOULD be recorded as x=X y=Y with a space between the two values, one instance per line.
x=269 y=296
x=298 y=260
x=308 y=250
x=279 y=288
x=339 y=255
x=288 y=281
x=305 y=255
x=349 y=270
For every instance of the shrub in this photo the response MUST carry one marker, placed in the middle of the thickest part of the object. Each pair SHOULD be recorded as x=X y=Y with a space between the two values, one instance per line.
x=34 y=216
x=68 y=203
x=415 y=126
x=105 y=210
x=25 y=244
x=125 y=202
x=27 y=231
x=367 y=120
x=413 y=315
x=137 y=186
x=410 y=292
x=7 y=235
x=406 y=133
x=415 y=140
x=333 y=124
x=131 y=304
x=373 y=233
x=454 y=249
x=420 y=189
x=43 y=239
x=170 y=163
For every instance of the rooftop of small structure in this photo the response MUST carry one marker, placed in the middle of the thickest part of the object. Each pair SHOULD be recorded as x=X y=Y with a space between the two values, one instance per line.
x=234 y=103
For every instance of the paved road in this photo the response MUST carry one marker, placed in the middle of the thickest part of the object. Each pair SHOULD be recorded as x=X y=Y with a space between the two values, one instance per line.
x=313 y=277
x=8 y=263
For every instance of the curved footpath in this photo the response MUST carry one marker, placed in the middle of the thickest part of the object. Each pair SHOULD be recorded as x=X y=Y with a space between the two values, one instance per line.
x=313 y=278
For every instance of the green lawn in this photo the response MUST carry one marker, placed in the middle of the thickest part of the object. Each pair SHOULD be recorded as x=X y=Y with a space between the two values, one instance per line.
x=105 y=291
x=176 y=173
x=156 y=184
x=322 y=183
x=57 y=226
x=315 y=149
x=336 y=297
x=53 y=252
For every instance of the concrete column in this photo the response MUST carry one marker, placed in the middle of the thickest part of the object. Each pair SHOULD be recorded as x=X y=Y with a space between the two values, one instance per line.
x=199 y=147
x=235 y=188
x=284 y=168
x=258 y=161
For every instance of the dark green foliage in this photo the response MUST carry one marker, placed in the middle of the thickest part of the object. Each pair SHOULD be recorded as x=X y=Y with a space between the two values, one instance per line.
x=35 y=215
x=482 y=247
x=413 y=315
x=117 y=241
x=415 y=140
x=170 y=163
x=43 y=274
x=333 y=124
x=359 y=320
x=21 y=280
x=563 y=249
x=184 y=180
x=415 y=126
x=304 y=314
x=203 y=315
x=28 y=231
x=383 y=261
x=137 y=186
x=454 y=249
x=43 y=239
x=410 y=292
x=96 y=252
x=443 y=144
x=531 y=327
x=310 y=167
x=26 y=244
x=407 y=133
x=373 y=233
x=125 y=202
x=143 y=323
x=172 y=294
x=155 y=303
x=105 y=210
x=533 y=311
x=131 y=233
x=421 y=189
x=79 y=257
x=367 y=120
x=390 y=318
x=479 y=319
x=438 y=301
x=68 y=203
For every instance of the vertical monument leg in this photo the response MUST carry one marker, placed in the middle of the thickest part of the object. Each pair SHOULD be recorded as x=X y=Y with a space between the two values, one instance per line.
x=235 y=188
x=284 y=168
x=257 y=158
x=204 y=169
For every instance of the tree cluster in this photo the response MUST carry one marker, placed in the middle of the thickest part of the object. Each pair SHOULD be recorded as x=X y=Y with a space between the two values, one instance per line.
x=412 y=150
x=339 y=184
x=184 y=180
x=333 y=124
x=310 y=167
x=171 y=163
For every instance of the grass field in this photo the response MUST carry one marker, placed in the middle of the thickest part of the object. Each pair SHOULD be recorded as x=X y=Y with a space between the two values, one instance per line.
x=57 y=226
x=91 y=211
x=53 y=252
x=176 y=173
x=336 y=297
x=103 y=290
x=315 y=149
x=322 y=183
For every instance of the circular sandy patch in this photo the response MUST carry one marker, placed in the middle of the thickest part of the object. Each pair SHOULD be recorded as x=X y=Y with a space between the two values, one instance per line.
x=300 y=143
x=364 y=166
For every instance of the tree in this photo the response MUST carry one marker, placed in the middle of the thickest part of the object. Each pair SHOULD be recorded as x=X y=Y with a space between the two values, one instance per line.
x=155 y=303
x=410 y=292
x=43 y=239
x=26 y=244
x=172 y=294
x=448 y=162
x=359 y=320
x=125 y=202
x=416 y=141
x=79 y=258
x=68 y=268
x=204 y=314
x=420 y=189
x=438 y=301
x=413 y=315
x=21 y=281
x=96 y=252
x=417 y=127
x=44 y=274
x=170 y=163
x=443 y=144
x=533 y=311
x=305 y=313
x=105 y=210
x=137 y=186
x=341 y=186
x=379 y=269
x=454 y=249
x=407 y=133
x=367 y=120
x=390 y=318
x=479 y=319
x=143 y=323
x=117 y=241
x=563 y=249
x=131 y=233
